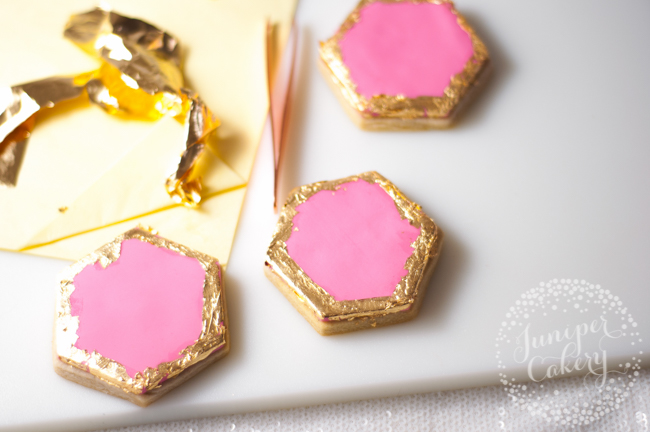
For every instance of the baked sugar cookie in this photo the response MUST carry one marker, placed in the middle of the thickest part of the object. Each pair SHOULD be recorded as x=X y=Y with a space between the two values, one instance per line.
x=353 y=253
x=404 y=64
x=139 y=316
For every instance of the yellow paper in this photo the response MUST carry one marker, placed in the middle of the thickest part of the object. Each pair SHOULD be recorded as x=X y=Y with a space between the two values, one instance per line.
x=108 y=173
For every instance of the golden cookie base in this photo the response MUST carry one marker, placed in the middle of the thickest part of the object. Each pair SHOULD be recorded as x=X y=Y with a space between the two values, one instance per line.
x=332 y=327
x=379 y=124
x=89 y=380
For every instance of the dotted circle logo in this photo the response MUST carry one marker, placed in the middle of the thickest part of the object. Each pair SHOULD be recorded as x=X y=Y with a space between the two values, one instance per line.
x=567 y=328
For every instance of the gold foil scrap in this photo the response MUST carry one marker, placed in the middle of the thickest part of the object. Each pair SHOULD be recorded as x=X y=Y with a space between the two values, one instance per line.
x=149 y=58
x=18 y=107
x=426 y=247
x=12 y=151
x=213 y=336
x=199 y=124
x=140 y=77
x=399 y=106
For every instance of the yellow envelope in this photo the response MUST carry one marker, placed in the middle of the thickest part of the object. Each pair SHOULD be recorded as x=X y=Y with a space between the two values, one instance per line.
x=88 y=176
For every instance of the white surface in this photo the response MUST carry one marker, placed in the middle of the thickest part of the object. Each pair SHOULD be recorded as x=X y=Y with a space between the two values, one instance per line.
x=544 y=176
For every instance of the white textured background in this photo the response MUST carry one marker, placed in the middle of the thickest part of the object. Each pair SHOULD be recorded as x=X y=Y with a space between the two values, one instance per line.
x=479 y=409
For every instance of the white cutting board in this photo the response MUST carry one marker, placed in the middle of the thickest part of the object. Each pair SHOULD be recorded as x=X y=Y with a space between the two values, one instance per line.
x=545 y=176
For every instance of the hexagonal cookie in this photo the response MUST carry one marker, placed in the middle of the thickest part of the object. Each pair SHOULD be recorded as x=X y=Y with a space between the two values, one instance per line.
x=139 y=316
x=403 y=64
x=353 y=253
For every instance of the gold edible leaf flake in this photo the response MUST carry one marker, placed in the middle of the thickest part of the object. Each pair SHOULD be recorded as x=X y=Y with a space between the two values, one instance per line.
x=214 y=334
x=398 y=106
x=150 y=57
x=18 y=107
x=140 y=77
x=426 y=248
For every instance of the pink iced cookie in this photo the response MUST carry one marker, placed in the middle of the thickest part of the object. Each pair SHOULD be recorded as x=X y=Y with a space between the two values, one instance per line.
x=139 y=316
x=353 y=253
x=357 y=231
x=403 y=65
x=143 y=309
x=409 y=49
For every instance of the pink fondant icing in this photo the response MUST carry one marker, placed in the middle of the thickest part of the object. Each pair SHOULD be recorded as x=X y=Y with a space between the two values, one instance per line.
x=141 y=310
x=410 y=49
x=352 y=242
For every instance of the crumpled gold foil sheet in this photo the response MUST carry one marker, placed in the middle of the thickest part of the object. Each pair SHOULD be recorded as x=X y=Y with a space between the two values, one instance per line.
x=18 y=107
x=140 y=77
x=214 y=335
x=386 y=106
x=426 y=247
